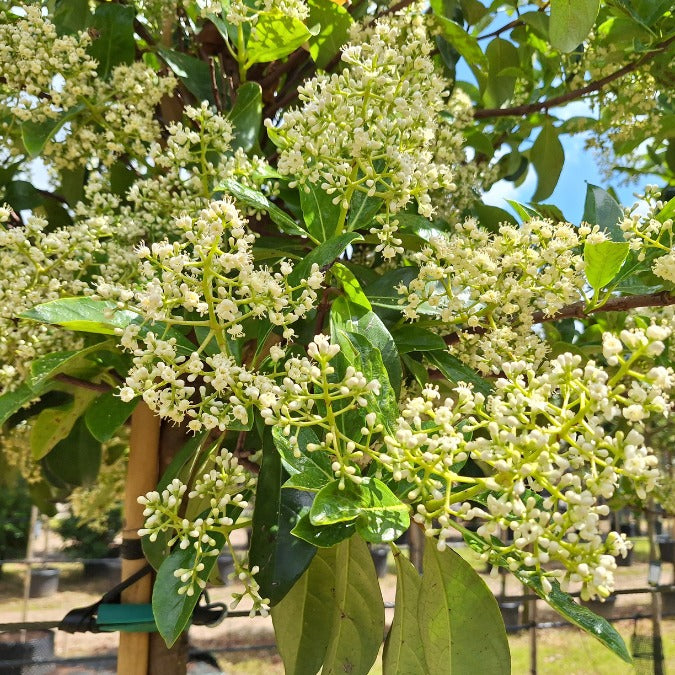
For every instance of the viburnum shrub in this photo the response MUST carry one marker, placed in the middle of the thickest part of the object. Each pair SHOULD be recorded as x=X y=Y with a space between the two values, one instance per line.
x=264 y=222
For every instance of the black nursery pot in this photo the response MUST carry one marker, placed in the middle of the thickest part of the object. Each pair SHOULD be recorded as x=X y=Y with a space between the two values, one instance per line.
x=667 y=549
x=379 y=555
x=103 y=569
x=28 y=651
x=43 y=582
x=511 y=615
x=225 y=567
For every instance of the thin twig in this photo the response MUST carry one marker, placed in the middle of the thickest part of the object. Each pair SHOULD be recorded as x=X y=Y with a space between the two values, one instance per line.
x=83 y=384
x=214 y=84
x=518 y=111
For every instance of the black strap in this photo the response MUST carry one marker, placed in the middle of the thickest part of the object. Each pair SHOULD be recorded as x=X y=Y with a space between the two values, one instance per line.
x=132 y=549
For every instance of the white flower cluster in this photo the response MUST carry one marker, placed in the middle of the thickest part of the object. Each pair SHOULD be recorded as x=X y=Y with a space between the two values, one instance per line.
x=372 y=128
x=106 y=118
x=240 y=12
x=221 y=494
x=38 y=265
x=312 y=395
x=557 y=442
x=209 y=275
x=492 y=284
x=649 y=235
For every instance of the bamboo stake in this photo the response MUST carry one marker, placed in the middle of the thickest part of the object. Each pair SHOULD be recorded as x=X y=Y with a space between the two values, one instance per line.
x=142 y=476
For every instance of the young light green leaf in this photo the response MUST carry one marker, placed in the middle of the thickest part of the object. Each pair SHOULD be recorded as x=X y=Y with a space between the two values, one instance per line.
x=380 y=515
x=548 y=157
x=308 y=470
x=335 y=22
x=603 y=261
x=358 y=611
x=246 y=116
x=461 y=626
x=351 y=287
x=464 y=43
x=403 y=650
x=107 y=414
x=323 y=255
x=303 y=619
x=321 y=215
x=274 y=36
x=571 y=22
x=172 y=610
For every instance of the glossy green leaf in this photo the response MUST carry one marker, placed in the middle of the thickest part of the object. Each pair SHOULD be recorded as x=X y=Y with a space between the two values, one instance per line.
x=548 y=157
x=600 y=208
x=403 y=650
x=192 y=72
x=412 y=338
x=456 y=371
x=384 y=294
x=334 y=21
x=603 y=261
x=281 y=557
x=258 y=200
x=323 y=255
x=308 y=470
x=302 y=620
x=22 y=195
x=14 y=400
x=323 y=536
x=461 y=627
x=373 y=329
x=77 y=458
x=274 y=36
x=172 y=610
x=380 y=515
x=571 y=22
x=97 y=316
x=114 y=43
x=464 y=43
x=417 y=370
x=35 y=135
x=358 y=611
x=106 y=415
x=362 y=210
x=71 y=362
x=320 y=214
x=54 y=424
x=246 y=116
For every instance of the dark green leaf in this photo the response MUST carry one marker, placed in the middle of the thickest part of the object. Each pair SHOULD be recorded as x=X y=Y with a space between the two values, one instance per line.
x=465 y=44
x=403 y=650
x=323 y=255
x=362 y=210
x=281 y=557
x=73 y=363
x=114 y=43
x=76 y=459
x=192 y=72
x=52 y=425
x=107 y=414
x=456 y=371
x=383 y=293
x=411 y=338
x=173 y=611
x=22 y=195
x=600 y=208
x=246 y=116
x=274 y=36
x=548 y=157
x=358 y=611
x=501 y=54
x=12 y=401
x=571 y=22
x=36 y=134
x=335 y=22
x=259 y=201
x=461 y=626
x=308 y=470
x=603 y=261
x=71 y=16
x=320 y=214
x=302 y=620
x=323 y=536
